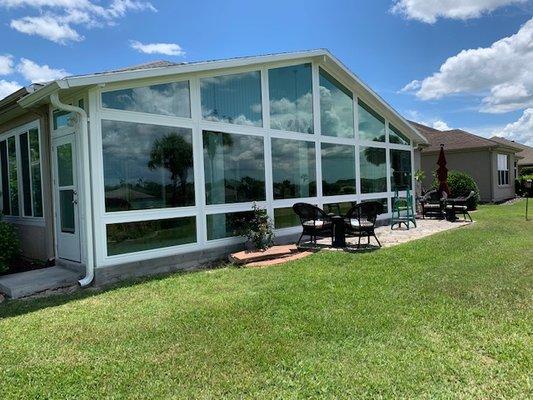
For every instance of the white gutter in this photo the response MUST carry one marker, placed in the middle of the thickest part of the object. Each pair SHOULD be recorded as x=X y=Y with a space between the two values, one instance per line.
x=87 y=203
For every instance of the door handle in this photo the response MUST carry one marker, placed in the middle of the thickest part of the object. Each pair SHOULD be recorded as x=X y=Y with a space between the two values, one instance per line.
x=74 y=197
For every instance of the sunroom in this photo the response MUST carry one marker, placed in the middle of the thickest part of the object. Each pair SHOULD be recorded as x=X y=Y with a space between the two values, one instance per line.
x=152 y=166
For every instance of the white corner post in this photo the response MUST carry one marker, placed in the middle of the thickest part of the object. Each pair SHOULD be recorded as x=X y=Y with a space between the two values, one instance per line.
x=87 y=198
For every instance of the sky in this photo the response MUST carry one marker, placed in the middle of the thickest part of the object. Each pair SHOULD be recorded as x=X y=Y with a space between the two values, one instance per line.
x=450 y=64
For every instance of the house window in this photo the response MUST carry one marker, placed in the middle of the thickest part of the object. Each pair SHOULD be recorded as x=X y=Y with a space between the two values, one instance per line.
x=338 y=169
x=172 y=99
x=382 y=201
x=147 y=166
x=395 y=136
x=20 y=160
x=293 y=168
x=234 y=168
x=235 y=99
x=371 y=124
x=503 y=169
x=131 y=237
x=400 y=164
x=336 y=107
x=291 y=98
x=226 y=225
x=285 y=218
x=373 y=167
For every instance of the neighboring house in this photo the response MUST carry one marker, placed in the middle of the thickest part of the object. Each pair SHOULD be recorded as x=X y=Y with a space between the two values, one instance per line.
x=150 y=168
x=489 y=162
x=524 y=156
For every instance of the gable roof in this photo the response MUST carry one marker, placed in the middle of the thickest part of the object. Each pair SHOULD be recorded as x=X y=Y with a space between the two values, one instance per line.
x=456 y=139
x=526 y=152
x=165 y=68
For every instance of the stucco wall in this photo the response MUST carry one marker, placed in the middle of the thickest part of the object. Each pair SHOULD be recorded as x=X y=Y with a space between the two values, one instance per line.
x=37 y=241
x=477 y=164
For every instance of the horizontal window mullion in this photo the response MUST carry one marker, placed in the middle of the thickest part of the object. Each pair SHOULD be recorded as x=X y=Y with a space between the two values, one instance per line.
x=233 y=207
x=284 y=203
x=144 y=118
x=149 y=215
x=232 y=128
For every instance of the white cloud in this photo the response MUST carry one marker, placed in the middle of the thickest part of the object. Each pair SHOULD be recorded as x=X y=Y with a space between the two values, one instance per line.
x=39 y=73
x=6 y=64
x=169 y=49
x=57 y=18
x=441 y=125
x=430 y=10
x=8 y=87
x=520 y=131
x=501 y=73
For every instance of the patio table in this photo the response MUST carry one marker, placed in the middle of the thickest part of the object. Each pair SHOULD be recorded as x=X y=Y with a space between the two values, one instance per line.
x=450 y=211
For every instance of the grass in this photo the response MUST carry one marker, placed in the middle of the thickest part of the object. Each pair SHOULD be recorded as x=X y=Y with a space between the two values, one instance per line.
x=448 y=316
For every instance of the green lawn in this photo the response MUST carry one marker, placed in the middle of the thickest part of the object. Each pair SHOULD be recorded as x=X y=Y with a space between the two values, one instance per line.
x=449 y=316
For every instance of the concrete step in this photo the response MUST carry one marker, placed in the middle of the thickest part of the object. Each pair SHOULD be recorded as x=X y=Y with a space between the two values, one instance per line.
x=24 y=284
x=246 y=256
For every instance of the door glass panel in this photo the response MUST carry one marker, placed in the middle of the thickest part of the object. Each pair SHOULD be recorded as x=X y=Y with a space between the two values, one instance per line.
x=66 y=198
x=13 y=177
x=64 y=164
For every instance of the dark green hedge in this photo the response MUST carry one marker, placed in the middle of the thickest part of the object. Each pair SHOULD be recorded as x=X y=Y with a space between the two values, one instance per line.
x=460 y=185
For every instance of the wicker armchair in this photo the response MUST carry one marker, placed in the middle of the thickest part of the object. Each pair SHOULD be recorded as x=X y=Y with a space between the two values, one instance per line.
x=360 y=221
x=315 y=222
x=432 y=204
x=459 y=205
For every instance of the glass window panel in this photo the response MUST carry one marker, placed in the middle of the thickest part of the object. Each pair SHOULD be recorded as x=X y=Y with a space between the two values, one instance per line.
x=339 y=208
x=5 y=178
x=400 y=161
x=293 y=168
x=235 y=98
x=382 y=201
x=336 y=107
x=64 y=165
x=373 y=167
x=338 y=169
x=13 y=178
x=234 y=168
x=66 y=206
x=395 y=136
x=285 y=218
x=61 y=118
x=226 y=225
x=371 y=124
x=291 y=98
x=35 y=162
x=165 y=99
x=147 y=166
x=25 y=165
x=131 y=237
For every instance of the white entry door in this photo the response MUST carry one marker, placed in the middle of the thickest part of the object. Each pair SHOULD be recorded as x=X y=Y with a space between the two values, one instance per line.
x=66 y=198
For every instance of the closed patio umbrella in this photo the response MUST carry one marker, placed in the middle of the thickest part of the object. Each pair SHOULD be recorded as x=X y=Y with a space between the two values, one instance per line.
x=442 y=172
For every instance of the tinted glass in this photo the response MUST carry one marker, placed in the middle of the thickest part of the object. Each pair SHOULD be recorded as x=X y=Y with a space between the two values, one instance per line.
x=25 y=165
x=382 y=201
x=66 y=206
x=285 y=218
x=131 y=237
x=291 y=98
x=226 y=225
x=336 y=107
x=293 y=168
x=35 y=162
x=371 y=124
x=64 y=165
x=373 y=169
x=395 y=136
x=339 y=208
x=5 y=178
x=166 y=99
x=234 y=168
x=13 y=179
x=338 y=169
x=400 y=161
x=61 y=118
x=235 y=99
x=147 y=166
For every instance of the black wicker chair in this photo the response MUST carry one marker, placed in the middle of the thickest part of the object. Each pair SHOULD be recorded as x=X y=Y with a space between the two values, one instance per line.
x=432 y=204
x=315 y=222
x=459 y=205
x=360 y=221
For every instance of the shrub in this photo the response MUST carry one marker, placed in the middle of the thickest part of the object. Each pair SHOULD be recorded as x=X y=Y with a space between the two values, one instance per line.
x=258 y=229
x=526 y=171
x=9 y=245
x=520 y=184
x=461 y=184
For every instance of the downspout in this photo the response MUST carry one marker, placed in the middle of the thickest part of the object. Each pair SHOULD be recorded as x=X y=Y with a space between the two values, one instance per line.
x=87 y=203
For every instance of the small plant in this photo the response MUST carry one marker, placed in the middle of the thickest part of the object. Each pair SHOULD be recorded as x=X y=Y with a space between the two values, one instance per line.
x=9 y=245
x=258 y=229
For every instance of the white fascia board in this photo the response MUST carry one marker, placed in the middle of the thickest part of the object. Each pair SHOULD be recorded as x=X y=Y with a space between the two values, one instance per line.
x=40 y=94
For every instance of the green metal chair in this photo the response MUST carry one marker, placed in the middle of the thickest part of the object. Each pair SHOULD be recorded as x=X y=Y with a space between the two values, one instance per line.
x=402 y=205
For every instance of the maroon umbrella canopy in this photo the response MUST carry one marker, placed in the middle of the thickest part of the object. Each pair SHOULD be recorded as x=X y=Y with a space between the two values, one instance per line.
x=442 y=172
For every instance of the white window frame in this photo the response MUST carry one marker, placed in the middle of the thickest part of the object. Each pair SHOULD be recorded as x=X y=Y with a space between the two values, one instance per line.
x=16 y=133
x=200 y=210
x=506 y=171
